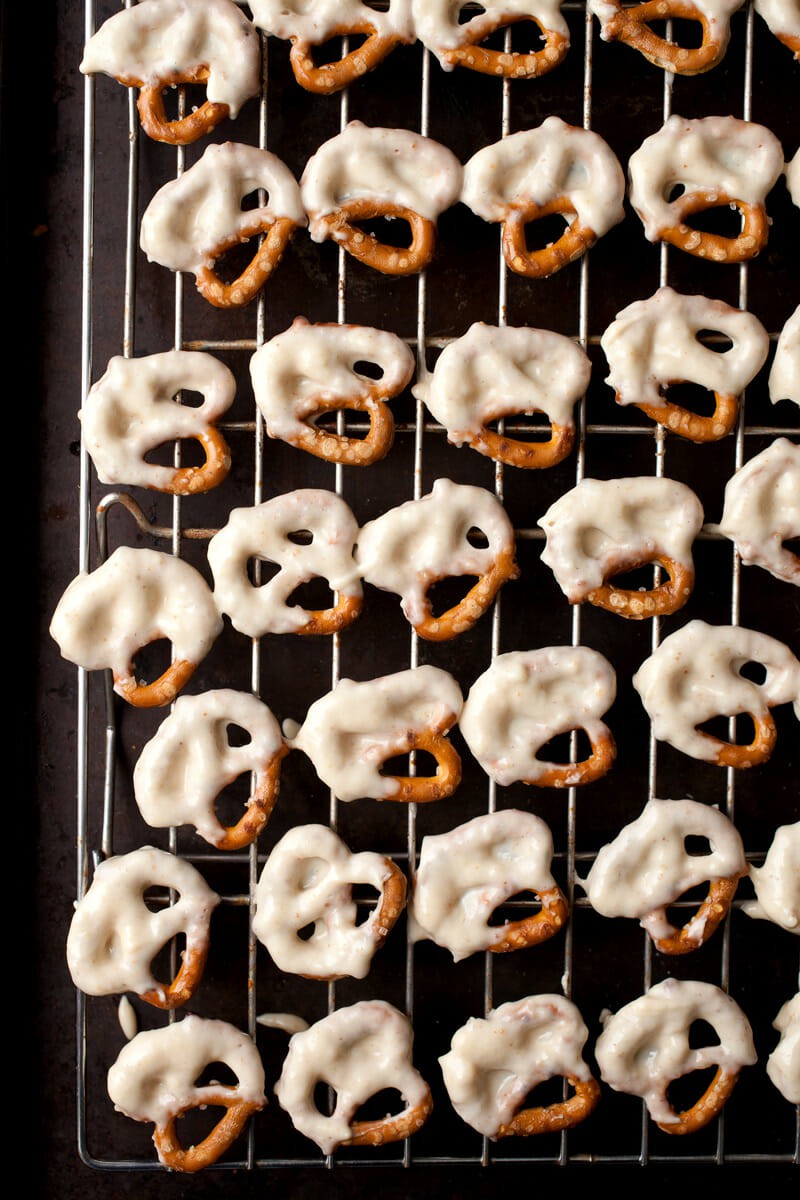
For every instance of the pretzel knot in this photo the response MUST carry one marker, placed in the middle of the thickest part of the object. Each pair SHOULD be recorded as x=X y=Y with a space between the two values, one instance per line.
x=249 y=283
x=539 y=264
x=699 y=929
x=183 y=130
x=632 y=26
x=501 y=64
x=389 y=260
x=224 y=1134
x=746 y=245
x=659 y=601
x=333 y=76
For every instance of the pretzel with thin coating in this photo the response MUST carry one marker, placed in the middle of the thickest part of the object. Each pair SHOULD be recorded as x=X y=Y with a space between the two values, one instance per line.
x=631 y=25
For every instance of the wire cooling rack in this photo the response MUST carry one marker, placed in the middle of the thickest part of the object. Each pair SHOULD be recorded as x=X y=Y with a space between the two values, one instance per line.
x=134 y=308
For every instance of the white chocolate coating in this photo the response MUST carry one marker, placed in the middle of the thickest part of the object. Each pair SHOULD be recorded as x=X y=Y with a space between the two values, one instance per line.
x=762 y=510
x=410 y=546
x=782 y=16
x=783 y=1064
x=792 y=174
x=391 y=166
x=308 y=879
x=654 y=342
x=739 y=159
x=268 y=532
x=359 y=1051
x=437 y=24
x=155 y=39
x=190 y=760
x=191 y=217
x=602 y=523
x=132 y=409
x=539 y=165
x=784 y=375
x=695 y=674
x=114 y=935
x=777 y=882
x=349 y=732
x=154 y=1076
x=465 y=874
x=315 y=23
x=495 y=1061
x=527 y=697
x=497 y=371
x=645 y=1045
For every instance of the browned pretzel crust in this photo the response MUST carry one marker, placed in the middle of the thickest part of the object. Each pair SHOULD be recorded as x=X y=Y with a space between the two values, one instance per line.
x=539 y=264
x=175 y=994
x=259 y=807
x=530 y=455
x=598 y=764
x=537 y=928
x=750 y=242
x=710 y=914
x=423 y=789
x=391 y=1129
x=333 y=76
x=707 y=1107
x=531 y=1121
x=632 y=26
x=513 y=65
x=223 y=1135
x=337 y=447
x=191 y=481
x=161 y=691
x=463 y=616
x=729 y=754
x=247 y=286
x=659 y=601
x=691 y=426
x=389 y=260
x=186 y=129
x=325 y=621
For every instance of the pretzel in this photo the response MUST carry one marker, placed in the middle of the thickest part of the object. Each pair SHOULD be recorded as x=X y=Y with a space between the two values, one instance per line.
x=359 y=1051
x=646 y=868
x=762 y=510
x=526 y=698
x=783 y=20
x=695 y=674
x=523 y=1043
x=271 y=532
x=310 y=370
x=645 y=1046
x=466 y=874
x=602 y=528
x=367 y=172
x=553 y=169
x=418 y=543
x=357 y=727
x=717 y=162
x=162 y=43
x=777 y=882
x=493 y=372
x=137 y=596
x=458 y=44
x=783 y=1064
x=308 y=880
x=784 y=375
x=153 y=1080
x=632 y=26
x=193 y=220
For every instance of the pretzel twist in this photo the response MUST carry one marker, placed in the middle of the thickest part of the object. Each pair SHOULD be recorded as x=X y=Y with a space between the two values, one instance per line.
x=513 y=65
x=659 y=601
x=746 y=245
x=690 y=425
x=184 y=130
x=259 y=807
x=249 y=283
x=706 y=1108
x=709 y=916
x=537 y=928
x=598 y=764
x=223 y=1135
x=161 y=691
x=333 y=76
x=632 y=26
x=539 y=264
x=389 y=260
x=467 y=612
x=391 y=1129
x=424 y=789
x=554 y=1117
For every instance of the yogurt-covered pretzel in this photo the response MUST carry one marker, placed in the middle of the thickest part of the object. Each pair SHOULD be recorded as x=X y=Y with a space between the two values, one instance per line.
x=654 y=343
x=604 y=527
x=184 y=768
x=456 y=42
x=418 y=543
x=467 y=873
x=696 y=674
x=528 y=697
x=153 y=1079
x=310 y=370
x=783 y=19
x=495 y=1062
x=631 y=25
x=645 y=1046
x=762 y=510
x=366 y=172
x=132 y=410
x=307 y=881
x=309 y=25
x=359 y=1051
x=783 y=1064
x=715 y=162
x=554 y=168
x=137 y=596
x=494 y=372
x=159 y=43
x=114 y=935
x=647 y=867
x=777 y=882
x=309 y=533
x=193 y=220
x=784 y=375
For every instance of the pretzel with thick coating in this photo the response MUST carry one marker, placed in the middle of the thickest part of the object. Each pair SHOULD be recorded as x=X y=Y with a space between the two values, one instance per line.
x=456 y=42
x=631 y=25
x=762 y=510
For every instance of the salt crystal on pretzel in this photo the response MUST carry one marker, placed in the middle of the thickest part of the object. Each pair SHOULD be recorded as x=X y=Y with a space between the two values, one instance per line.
x=456 y=42
x=183 y=769
x=712 y=162
x=366 y=172
x=159 y=43
x=494 y=372
x=132 y=410
x=137 y=596
x=783 y=1064
x=310 y=370
x=193 y=220
x=532 y=174
x=645 y=1046
x=310 y=533
x=353 y=730
x=777 y=882
x=783 y=19
x=115 y=935
x=154 y=1080
x=631 y=24
x=784 y=376
x=307 y=881
x=654 y=343
x=762 y=510
x=418 y=543
x=358 y=1051
x=696 y=674
x=495 y=1062
x=526 y=698
x=647 y=867
x=466 y=874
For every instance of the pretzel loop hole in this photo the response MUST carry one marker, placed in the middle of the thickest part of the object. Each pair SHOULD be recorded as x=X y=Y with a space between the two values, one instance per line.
x=184 y=130
x=223 y=1135
x=538 y=264
x=333 y=76
x=660 y=601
